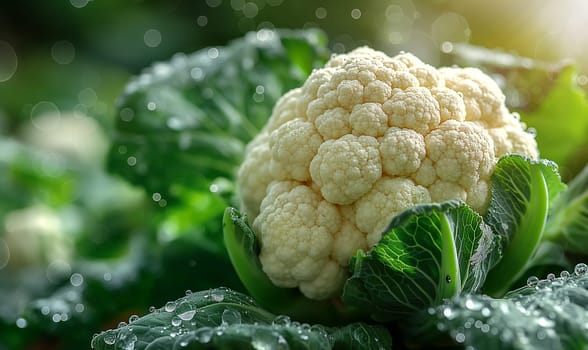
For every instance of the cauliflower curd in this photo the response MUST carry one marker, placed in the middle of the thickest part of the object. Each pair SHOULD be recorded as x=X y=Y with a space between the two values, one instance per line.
x=364 y=138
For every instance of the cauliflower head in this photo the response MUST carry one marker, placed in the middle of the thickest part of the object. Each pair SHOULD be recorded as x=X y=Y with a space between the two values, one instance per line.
x=364 y=138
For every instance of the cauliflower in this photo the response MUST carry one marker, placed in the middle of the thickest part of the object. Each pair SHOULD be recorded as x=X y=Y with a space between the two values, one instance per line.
x=364 y=138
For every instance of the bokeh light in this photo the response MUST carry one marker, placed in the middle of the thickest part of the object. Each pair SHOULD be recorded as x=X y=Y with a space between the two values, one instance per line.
x=8 y=61
x=63 y=52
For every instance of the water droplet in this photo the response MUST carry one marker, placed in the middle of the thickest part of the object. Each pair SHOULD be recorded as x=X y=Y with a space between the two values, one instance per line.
x=152 y=309
x=170 y=306
x=448 y=313
x=448 y=279
x=8 y=61
x=58 y=270
x=213 y=3
x=152 y=38
x=550 y=277
x=79 y=308
x=472 y=304
x=564 y=274
x=532 y=281
x=207 y=93
x=320 y=13
x=355 y=13
x=122 y=324
x=188 y=315
x=63 y=52
x=109 y=338
x=545 y=322
x=580 y=269
x=156 y=197
x=230 y=317
x=132 y=161
x=107 y=276
x=250 y=10
x=197 y=74
x=282 y=320
x=446 y=47
x=202 y=21
x=213 y=53
x=188 y=292
x=76 y=279
x=133 y=318
x=217 y=297
x=21 y=322
x=176 y=321
x=79 y=3
x=151 y=106
x=460 y=337
x=88 y=97
x=204 y=334
x=45 y=310
x=486 y=312
x=543 y=284
x=45 y=116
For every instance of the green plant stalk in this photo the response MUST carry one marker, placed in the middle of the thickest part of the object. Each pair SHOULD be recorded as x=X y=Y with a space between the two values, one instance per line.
x=525 y=241
x=449 y=276
x=282 y=301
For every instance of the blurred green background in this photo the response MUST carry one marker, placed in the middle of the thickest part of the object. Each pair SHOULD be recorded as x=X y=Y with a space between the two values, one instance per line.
x=71 y=234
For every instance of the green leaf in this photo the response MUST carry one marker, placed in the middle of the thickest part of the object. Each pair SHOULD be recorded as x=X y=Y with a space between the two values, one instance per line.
x=546 y=314
x=561 y=122
x=184 y=123
x=567 y=224
x=429 y=253
x=521 y=192
x=224 y=319
x=243 y=249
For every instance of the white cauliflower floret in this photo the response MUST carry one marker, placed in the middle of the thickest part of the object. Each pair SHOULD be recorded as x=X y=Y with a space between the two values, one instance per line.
x=363 y=139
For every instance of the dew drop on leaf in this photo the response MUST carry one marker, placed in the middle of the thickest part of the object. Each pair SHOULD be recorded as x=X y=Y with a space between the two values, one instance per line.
x=580 y=269
x=460 y=337
x=217 y=297
x=170 y=306
x=21 y=323
x=230 y=317
x=188 y=315
x=176 y=321
x=472 y=304
x=532 y=281
x=281 y=320
x=109 y=338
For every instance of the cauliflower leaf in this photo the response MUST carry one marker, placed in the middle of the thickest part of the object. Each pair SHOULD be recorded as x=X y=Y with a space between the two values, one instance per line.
x=221 y=318
x=545 y=314
x=428 y=253
x=522 y=191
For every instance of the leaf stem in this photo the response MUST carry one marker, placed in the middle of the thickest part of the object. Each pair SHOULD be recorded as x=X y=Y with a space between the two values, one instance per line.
x=525 y=241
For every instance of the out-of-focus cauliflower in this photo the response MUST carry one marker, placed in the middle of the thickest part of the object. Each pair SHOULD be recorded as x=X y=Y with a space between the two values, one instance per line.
x=34 y=236
x=364 y=138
